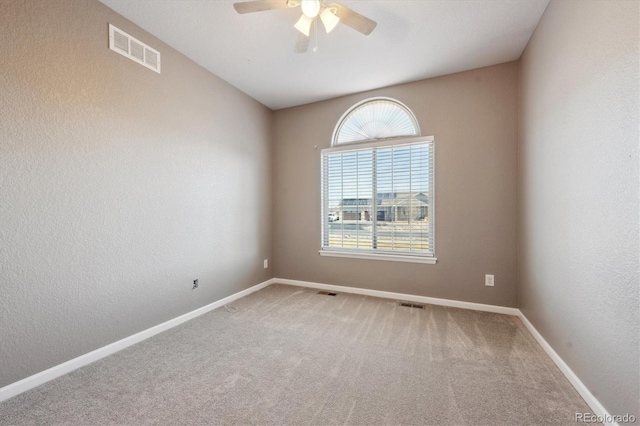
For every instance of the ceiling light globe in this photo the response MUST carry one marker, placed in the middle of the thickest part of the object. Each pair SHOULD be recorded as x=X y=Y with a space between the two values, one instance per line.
x=304 y=25
x=329 y=19
x=310 y=8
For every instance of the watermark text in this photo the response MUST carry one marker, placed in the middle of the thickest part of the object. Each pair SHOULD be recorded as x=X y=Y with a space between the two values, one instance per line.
x=609 y=418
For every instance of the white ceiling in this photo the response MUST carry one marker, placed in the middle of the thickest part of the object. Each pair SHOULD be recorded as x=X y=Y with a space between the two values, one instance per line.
x=413 y=40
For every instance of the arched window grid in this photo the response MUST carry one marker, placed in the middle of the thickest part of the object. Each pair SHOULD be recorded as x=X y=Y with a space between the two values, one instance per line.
x=379 y=118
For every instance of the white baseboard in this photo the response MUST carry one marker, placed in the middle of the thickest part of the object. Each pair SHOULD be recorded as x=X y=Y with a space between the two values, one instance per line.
x=592 y=402
x=401 y=296
x=38 y=379
x=42 y=377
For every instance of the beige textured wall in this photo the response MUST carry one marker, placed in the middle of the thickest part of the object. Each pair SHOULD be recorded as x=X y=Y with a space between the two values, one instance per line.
x=118 y=186
x=579 y=233
x=473 y=116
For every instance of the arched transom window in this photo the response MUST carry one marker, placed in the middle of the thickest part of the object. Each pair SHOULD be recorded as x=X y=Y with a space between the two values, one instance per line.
x=378 y=186
x=373 y=119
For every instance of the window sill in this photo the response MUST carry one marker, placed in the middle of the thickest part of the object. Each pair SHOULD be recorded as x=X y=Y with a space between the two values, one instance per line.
x=376 y=256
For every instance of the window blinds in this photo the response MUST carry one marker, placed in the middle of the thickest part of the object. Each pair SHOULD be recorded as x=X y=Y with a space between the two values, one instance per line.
x=378 y=198
x=377 y=119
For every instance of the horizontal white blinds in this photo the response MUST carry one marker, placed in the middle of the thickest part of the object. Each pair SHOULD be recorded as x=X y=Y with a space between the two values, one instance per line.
x=379 y=199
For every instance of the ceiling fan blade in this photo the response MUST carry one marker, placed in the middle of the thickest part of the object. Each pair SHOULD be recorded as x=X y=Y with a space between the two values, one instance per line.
x=260 y=5
x=302 y=43
x=353 y=19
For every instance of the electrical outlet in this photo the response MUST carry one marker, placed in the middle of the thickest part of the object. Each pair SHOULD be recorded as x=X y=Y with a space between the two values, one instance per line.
x=266 y=263
x=195 y=284
x=488 y=280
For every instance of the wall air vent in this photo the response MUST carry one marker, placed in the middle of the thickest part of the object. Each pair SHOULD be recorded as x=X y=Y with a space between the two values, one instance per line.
x=134 y=49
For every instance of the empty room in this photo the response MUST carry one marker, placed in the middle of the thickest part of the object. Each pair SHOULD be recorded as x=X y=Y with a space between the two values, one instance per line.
x=300 y=212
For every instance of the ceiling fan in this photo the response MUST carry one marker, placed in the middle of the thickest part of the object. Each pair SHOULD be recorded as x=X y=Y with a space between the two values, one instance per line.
x=330 y=15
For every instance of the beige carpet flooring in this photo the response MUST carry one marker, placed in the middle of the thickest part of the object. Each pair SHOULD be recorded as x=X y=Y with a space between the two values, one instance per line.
x=287 y=355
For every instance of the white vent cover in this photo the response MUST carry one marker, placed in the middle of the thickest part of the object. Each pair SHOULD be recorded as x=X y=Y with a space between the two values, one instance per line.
x=132 y=48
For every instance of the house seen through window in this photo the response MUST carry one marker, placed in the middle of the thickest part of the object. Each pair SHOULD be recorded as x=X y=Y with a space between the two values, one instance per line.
x=377 y=185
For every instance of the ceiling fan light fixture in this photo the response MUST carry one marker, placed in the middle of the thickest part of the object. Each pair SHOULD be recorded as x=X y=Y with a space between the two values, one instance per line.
x=304 y=25
x=310 y=8
x=329 y=19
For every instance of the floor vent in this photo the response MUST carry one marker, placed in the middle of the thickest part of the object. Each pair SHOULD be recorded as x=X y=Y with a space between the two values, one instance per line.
x=326 y=293
x=130 y=47
x=411 y=305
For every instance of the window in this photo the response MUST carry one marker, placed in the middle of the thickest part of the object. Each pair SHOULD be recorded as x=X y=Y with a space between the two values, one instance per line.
x=374 y=119
x=377 y=186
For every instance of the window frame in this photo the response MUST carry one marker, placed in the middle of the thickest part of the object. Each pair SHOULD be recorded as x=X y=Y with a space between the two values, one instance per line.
x=377 y=254
x=345 y=116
